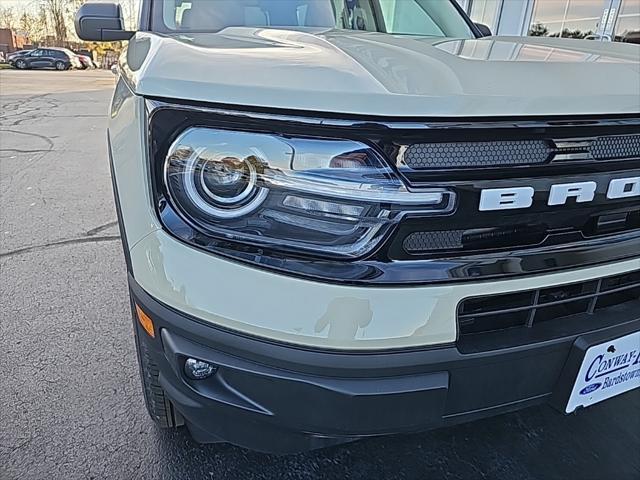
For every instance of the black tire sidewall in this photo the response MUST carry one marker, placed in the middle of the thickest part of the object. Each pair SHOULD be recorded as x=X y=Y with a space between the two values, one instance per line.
x=57 y=65
x=158 y=405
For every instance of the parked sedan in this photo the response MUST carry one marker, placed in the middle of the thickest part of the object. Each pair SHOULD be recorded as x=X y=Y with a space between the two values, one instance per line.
x=14 y=56
x=57 y=58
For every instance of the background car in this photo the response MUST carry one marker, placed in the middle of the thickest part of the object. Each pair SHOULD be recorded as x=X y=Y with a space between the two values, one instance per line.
x=86 y=58
x=85 y=61
x=13 y=56
x=57 y=58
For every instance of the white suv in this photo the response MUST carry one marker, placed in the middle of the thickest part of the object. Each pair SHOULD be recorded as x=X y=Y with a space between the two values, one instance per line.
x=348 y=218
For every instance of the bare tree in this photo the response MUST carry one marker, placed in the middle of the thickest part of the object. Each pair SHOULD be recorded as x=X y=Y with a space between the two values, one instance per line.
x=43 y=21
x=130 y=13
x=33 y=24
x=57 y=11
x=8 y=17
x=72 y=8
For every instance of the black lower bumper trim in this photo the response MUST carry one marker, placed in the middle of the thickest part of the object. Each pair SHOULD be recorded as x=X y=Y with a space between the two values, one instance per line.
x=282 y=398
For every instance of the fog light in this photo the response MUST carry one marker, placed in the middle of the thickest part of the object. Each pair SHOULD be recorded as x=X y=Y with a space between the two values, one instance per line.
x=198 y=370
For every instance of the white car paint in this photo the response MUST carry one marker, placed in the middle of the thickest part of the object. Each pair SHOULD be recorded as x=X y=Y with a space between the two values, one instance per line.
x=378 y=74
x=292 y=310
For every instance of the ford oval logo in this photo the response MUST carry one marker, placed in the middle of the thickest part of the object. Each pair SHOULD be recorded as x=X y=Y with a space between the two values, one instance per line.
x=590 y=388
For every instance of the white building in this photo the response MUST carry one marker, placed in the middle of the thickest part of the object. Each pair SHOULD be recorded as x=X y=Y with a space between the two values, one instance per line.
x=606 y=19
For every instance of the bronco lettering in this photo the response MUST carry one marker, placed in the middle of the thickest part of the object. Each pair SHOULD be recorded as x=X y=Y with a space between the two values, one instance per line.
x=522 y=197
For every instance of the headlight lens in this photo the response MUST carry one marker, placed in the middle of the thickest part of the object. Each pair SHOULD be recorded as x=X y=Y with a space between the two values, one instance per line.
x=222 y=186
x=332 y=197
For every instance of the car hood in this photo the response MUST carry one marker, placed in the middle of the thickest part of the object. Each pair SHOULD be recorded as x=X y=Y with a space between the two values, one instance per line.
x=387 y=75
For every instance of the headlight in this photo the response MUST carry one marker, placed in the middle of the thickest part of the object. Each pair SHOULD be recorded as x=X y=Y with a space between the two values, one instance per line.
x=332 y=197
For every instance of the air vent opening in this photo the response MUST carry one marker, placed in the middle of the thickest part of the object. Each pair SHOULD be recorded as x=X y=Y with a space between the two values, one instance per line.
x=499 y=316
x=476 y=239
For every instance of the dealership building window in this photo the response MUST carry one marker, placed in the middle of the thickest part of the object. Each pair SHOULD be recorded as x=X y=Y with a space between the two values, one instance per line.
x=486 y=12
x=628 y=21
x=603 y=20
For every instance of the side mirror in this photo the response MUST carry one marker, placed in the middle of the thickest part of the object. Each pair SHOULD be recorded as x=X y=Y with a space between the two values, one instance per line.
x=484 y=30
x=101 y=22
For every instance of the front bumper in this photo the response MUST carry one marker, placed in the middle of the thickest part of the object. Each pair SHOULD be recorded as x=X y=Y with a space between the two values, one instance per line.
x=287 y=309
x=283 y=398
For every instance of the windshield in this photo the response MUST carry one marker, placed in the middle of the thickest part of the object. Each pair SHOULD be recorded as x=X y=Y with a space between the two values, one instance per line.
x=438 y=18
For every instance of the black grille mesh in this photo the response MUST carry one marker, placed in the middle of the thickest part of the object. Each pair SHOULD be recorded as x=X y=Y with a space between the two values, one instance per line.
x=430 y=241
x=476 y=154
x=454 y=155
x=623 y=146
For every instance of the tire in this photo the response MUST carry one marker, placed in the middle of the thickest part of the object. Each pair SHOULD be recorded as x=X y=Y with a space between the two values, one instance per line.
x=60 y=66
x=21 y=64
x=160 y=408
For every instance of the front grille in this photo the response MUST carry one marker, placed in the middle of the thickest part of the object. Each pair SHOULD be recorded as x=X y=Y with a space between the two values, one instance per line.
x=473 y=239
x=472 y=157
x=419 y=242
x=464 y=154
x=621 y=146
x=534 y=309
x=477 y=154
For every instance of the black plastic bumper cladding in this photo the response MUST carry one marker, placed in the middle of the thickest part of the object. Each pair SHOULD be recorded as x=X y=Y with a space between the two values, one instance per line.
x=282 y=398
x=487 y=245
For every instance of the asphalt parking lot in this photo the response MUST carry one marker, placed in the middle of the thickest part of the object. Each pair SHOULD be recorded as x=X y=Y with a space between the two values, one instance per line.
x=70 y=401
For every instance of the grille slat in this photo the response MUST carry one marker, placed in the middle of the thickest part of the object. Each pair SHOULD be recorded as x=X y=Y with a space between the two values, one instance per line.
x=537 y=304
x=488 y=314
